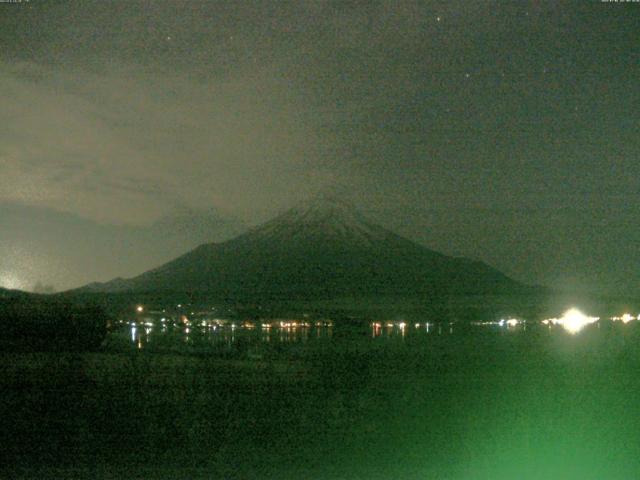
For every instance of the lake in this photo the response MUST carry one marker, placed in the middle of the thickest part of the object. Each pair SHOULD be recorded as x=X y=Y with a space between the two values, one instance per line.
x=369 y=399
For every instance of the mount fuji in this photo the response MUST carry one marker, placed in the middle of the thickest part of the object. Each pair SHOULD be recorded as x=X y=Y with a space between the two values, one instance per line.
x=321 y=249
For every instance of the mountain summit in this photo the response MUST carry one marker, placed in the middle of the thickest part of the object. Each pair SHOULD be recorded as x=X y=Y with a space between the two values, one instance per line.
x=322 y=217
x=322 y=248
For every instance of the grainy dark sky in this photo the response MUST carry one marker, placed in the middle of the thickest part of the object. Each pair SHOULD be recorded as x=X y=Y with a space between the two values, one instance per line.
x=504 y=131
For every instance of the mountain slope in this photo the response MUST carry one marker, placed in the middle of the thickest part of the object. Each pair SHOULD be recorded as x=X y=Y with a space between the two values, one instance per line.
x=320 y=249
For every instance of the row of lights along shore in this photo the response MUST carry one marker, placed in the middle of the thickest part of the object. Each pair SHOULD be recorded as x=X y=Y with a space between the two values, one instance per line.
x=572 y=320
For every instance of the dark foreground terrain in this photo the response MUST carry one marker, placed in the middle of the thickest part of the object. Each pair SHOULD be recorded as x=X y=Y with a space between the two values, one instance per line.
x=484 y=404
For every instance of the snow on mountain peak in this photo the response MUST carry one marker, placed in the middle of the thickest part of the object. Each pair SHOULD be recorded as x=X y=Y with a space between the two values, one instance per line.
x=323 y=215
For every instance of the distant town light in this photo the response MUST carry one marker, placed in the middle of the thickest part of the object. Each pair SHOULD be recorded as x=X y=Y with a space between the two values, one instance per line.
x=139 y=309
x=625 y=318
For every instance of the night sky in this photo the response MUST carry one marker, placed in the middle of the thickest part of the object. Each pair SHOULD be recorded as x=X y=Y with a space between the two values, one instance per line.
x=501 y=131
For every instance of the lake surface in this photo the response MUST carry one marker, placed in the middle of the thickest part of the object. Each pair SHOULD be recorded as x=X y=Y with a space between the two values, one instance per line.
x=369 y=400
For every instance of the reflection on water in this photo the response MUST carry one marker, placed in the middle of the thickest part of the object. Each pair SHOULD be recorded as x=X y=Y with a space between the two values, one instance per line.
x=230 y=333
x=400 y=329
x=227 y=333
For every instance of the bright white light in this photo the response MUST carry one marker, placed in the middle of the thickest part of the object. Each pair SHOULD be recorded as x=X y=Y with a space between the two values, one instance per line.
x=512 y=322
x=573 y=320
x=139 y=309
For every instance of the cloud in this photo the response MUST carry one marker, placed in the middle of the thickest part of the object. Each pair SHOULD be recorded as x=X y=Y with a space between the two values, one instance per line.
x=128 y=144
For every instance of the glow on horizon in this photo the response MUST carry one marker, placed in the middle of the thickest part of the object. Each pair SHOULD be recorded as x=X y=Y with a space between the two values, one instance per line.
x=10 y=281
